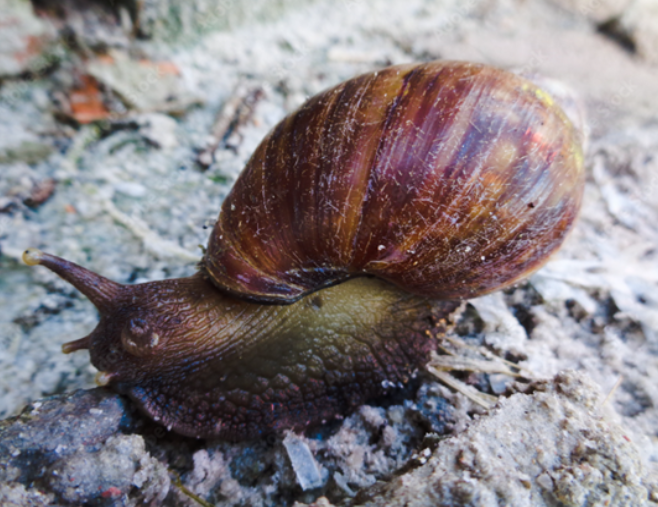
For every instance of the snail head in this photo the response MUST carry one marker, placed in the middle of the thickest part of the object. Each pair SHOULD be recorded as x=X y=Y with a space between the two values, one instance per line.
x=136 y=321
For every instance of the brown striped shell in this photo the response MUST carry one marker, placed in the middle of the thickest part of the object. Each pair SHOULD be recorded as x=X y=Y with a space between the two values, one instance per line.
x=448 y=179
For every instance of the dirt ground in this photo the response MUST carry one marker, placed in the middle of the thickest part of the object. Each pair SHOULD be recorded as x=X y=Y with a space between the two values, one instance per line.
x=105 y=113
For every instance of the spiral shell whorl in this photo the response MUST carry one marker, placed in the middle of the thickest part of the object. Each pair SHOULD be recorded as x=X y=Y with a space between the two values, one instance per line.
x=447 y=179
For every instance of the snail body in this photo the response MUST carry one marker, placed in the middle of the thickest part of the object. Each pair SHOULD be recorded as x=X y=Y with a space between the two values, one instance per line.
x=359 y=222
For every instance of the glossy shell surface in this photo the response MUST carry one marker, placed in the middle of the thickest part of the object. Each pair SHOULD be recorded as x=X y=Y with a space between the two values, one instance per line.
x=447 y=179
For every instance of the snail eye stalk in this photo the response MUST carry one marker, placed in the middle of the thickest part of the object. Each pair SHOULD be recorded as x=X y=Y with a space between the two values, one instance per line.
x=101 y=291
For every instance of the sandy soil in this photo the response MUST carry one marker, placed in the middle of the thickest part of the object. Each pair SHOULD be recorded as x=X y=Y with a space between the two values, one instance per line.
x=129 y=201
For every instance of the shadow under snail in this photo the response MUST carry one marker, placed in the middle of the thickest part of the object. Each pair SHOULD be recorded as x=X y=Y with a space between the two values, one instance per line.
x=359 y=219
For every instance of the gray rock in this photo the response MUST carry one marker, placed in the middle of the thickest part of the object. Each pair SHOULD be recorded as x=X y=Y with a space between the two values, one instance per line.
x=121 y=467
x=49 y=430
x=548 y=448
x=15 y=495
x=70 y=449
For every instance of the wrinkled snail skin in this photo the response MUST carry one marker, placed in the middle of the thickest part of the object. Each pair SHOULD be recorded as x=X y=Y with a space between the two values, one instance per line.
x=358 y=224
x=206 y=364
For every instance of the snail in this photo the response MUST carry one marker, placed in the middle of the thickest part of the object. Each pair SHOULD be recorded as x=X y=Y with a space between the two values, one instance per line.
x=360 y=220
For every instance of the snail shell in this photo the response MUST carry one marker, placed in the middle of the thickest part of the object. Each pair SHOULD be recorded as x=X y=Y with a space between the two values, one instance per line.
x=447 y=179
x=357 y=224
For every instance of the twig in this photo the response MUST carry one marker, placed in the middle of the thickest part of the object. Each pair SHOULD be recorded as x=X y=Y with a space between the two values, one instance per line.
x=179 y=484
x=490 y=355
x=461 y=363
x=236 y=111
x=613 y=390
x=151 y=240
x=485 y=400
